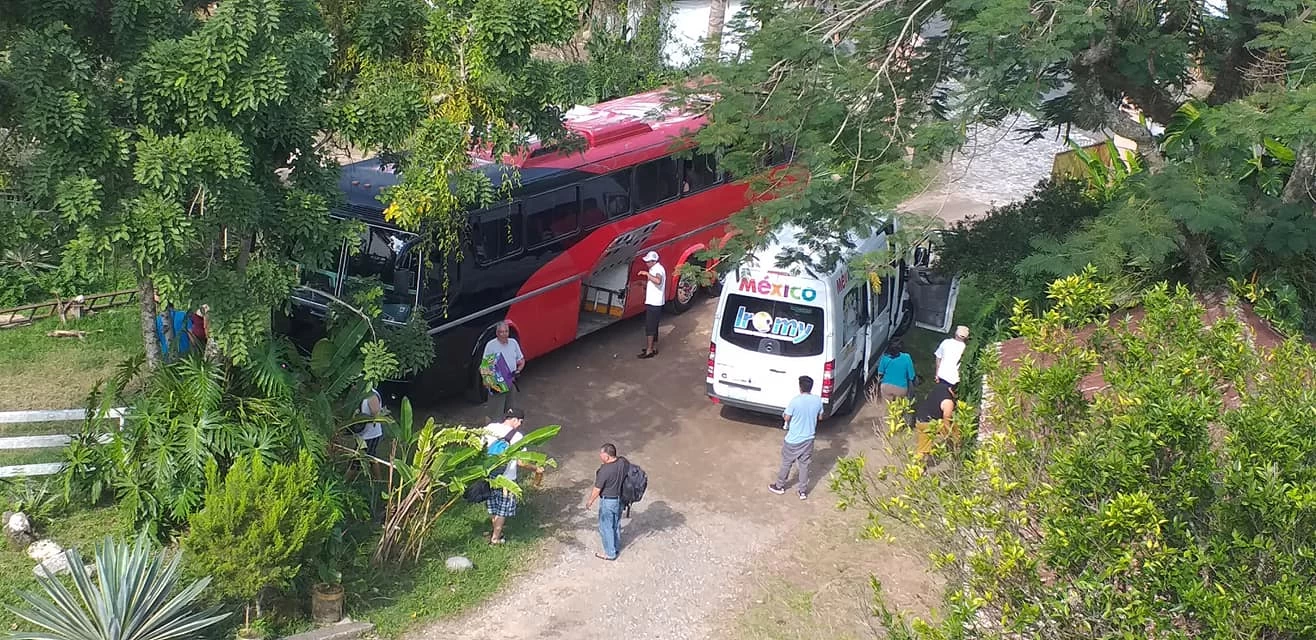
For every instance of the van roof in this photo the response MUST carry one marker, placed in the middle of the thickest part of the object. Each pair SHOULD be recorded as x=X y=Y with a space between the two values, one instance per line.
x=792 y=246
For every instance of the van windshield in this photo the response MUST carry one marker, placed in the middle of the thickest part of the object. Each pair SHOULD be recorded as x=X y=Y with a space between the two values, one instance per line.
x=772 y=326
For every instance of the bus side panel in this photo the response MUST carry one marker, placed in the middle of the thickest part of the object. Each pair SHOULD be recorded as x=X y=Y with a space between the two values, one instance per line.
x=548 y=320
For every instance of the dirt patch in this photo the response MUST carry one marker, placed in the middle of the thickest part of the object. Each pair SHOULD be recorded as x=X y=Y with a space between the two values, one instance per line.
x=708 y=535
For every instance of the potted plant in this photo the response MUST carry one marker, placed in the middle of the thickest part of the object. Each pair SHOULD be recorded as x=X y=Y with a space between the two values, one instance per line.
x=327 y=594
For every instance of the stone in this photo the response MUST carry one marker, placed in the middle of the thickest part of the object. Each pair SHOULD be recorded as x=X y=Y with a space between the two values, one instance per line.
x=459 y=564
x=51 y=567
x=341 y=631
x=18 y=530
x=43 y=550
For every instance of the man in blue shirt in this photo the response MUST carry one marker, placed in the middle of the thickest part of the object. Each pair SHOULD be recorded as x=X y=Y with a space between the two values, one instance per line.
x=800 y=420
x=896 y=370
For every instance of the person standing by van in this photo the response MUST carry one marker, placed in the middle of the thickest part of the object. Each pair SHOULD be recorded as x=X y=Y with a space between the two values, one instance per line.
x=948 y=355
x=655 y=296
x=500 y=364
x=896 y=370
x=935 y=419
x=800 y=420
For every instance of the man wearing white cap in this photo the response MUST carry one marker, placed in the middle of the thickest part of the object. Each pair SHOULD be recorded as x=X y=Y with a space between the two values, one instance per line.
x=948 y=356
x=655 y=296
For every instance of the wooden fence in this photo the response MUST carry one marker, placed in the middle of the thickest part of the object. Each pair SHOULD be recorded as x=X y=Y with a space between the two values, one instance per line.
x=30 y=313
x=52 y=441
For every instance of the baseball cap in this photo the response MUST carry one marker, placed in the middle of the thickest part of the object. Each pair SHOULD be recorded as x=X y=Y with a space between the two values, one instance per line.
x=961 y=331
x=519 y=414
x=652 y=256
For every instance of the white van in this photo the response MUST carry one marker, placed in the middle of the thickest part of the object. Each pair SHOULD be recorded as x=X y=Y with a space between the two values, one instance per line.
x=776 y=324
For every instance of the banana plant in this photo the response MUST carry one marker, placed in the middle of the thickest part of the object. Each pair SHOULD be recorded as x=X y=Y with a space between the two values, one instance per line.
x=134 y=596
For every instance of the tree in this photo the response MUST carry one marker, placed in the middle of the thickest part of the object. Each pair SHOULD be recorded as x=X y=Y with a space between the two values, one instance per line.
x=261 y=522
x=179 y=138
x=429 y=83
x=851 y=84
x=717 y=17
x=1174 y=503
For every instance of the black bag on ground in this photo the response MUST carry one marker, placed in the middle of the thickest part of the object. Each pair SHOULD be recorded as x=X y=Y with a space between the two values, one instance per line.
x=633 y=483
x=478 y=491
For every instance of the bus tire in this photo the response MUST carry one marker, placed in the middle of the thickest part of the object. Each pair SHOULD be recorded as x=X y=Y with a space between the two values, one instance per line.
x=687 y=292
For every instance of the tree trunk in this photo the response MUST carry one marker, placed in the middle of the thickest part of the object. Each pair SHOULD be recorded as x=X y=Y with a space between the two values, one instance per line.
x=146 y=304
x=1298 y=186
x=717 y=17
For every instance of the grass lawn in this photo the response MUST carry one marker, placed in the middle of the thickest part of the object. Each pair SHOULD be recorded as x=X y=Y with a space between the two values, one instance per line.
x=81 y=529
x=397 y=600
x=57 y=373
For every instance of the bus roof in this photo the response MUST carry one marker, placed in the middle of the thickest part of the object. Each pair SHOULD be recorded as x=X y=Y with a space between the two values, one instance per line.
x=608 y=128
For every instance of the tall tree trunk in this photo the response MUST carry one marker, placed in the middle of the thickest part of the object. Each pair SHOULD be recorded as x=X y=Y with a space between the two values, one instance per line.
x=1298 y=186
x=717 y=18
x=146 y=305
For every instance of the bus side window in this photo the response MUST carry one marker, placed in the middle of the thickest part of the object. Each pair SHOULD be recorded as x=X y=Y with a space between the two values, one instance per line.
x=551 y=216
x=499 y=234
x=656 y=181
x=700 y=173
x=615 y=191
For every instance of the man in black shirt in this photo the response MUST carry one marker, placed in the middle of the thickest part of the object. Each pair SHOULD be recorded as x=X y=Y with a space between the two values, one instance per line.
x=935 y=417
x=607 y=491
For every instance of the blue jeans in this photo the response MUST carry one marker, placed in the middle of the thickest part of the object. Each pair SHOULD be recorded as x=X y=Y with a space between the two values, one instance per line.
x=610 y=525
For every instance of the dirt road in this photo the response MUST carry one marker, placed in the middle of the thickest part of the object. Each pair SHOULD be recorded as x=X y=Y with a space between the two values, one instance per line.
x=707 y=522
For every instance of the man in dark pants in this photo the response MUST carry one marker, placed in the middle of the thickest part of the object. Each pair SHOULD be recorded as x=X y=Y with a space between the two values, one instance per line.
x=655 y=296
x=607 y=491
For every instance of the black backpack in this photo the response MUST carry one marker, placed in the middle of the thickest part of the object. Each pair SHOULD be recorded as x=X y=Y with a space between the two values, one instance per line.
x=633 y=483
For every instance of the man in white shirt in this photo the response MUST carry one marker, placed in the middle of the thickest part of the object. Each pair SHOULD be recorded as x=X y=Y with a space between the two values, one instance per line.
x=501 y=363
x=948 y=355
x=655 y=296
x=498 y=436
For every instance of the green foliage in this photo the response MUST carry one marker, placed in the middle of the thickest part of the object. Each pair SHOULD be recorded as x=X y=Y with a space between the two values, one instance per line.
x=261 y=522
x=1171 y=504
x=177 y=141
x=135 y=595
x=434 y=466
x=992 y=247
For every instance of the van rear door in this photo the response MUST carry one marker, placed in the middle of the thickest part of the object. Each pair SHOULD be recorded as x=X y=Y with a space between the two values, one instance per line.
x=932 y=290
x=764 y=346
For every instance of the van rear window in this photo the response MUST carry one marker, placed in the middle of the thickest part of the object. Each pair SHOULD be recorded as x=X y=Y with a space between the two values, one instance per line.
x=772 y=326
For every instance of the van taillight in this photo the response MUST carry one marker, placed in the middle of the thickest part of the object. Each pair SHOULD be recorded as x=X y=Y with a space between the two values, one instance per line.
x=712 y=357
x=829 y=379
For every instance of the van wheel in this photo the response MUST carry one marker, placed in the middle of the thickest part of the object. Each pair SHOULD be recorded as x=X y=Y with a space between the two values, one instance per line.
x=907 y=319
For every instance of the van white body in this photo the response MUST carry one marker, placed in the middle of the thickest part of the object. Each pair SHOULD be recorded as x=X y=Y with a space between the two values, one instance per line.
x=775 y=324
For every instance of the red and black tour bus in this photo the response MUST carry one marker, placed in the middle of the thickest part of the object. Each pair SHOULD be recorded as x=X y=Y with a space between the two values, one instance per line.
x=557 y=258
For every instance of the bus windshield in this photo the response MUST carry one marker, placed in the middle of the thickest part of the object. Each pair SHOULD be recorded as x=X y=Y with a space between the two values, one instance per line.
x=384 y=258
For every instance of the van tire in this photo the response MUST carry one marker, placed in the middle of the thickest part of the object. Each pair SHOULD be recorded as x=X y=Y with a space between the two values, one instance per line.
x=907 y=319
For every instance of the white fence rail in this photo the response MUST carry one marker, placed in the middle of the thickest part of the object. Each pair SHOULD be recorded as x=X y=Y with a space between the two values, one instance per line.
x=52 y=441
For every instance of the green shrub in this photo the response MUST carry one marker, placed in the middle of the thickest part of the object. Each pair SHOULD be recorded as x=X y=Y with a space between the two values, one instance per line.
x=260 y=524
x=991 y=247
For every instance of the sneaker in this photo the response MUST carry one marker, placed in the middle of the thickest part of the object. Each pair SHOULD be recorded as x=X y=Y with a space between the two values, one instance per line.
x=804 y=495
x=776 y=489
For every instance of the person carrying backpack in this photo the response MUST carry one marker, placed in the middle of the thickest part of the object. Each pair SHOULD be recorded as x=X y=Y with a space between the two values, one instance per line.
x=617 y=485
x=498 y=436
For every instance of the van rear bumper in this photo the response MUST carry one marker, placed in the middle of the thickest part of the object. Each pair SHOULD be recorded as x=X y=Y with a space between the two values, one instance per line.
x=828 y=408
